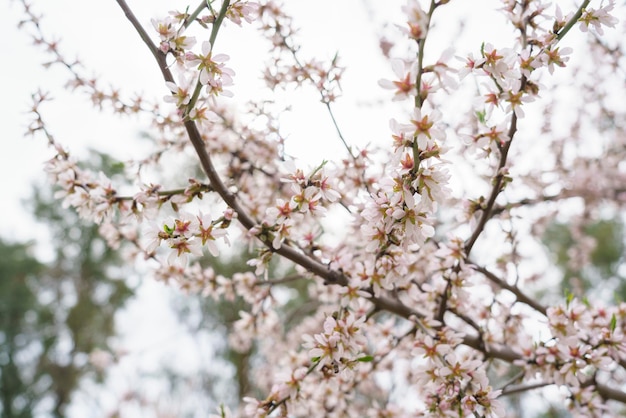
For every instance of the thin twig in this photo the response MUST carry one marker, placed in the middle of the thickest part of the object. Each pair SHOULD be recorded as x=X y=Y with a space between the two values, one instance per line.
x=326 y=102
x=527 y=202
x=192 y=17
x=338 y=130
x=521 y=297
x=286 y=279
x=497 y=184
x=573 y=20
x=524 y=388
x=512 y=380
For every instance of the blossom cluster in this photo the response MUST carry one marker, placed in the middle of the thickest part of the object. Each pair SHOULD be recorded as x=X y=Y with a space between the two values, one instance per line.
x=188 y=234
x=457 y=381
x=416 y=293
x=308 y=196
x=336 y=349
x=586 y=342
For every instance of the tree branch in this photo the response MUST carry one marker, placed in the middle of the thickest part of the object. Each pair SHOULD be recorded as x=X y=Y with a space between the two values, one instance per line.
x=497 y=184
x=521 y=297
x=524 y=388
x=156 y=52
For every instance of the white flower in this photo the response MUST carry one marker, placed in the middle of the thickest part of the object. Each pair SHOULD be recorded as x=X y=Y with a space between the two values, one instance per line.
x=208 y=233
x=596 y=18
x=242 y=10
x=165 y=27
x=180 y=92
x=404 y=86
x=427 y=128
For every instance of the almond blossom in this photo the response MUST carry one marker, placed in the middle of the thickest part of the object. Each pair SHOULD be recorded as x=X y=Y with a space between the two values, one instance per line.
x=213 y=73
x=597 y=18
x=405 y=85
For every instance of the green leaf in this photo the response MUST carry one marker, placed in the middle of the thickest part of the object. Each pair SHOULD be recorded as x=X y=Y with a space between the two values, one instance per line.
x=117 y=167
x=365 y=359
x=481 y=116
x=613 y=323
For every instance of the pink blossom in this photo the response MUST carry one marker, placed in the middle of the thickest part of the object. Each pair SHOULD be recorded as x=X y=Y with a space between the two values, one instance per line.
x=427 y=129
x=181 y=93
x=404 y=86
x=245 y=10
x=597 y=18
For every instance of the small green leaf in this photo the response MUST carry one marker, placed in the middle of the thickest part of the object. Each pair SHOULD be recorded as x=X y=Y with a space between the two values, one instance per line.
x=365 y=359
x=481 y=116
x=315 y=359
x=613 y=323
x=117 y=167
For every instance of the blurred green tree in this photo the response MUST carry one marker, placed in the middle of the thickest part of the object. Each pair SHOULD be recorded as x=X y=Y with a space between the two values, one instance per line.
x=602 y=271
x=53 y=315
x=205 y=317
x=20 y=315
